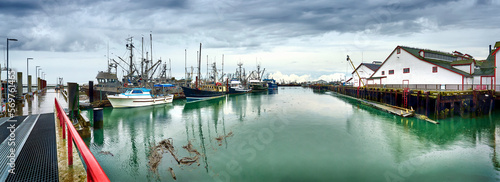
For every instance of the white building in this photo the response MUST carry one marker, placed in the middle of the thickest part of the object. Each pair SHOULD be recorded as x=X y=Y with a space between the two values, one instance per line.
x=491 y=62
x=407 y=65
x=365 y=70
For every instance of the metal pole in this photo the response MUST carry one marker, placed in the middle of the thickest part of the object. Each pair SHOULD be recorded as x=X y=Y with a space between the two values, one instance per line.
x=27 y=71
x=7 y=92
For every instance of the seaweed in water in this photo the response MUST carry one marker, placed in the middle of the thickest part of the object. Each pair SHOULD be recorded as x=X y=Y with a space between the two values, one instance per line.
x=220 y=138
x=166 y=146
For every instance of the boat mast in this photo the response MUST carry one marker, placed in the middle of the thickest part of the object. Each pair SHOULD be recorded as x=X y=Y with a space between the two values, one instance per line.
x=131 y=45
x=222 y=77
x=142 y=57
x=185 y=67
x=206 y=79
x=199 y=67
x=109 y=67
x=151 y=42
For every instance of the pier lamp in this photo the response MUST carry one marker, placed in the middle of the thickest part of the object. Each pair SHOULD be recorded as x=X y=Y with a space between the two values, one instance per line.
x=7 y=89
x=39 y=69
x=27 y=72
x=36 y=71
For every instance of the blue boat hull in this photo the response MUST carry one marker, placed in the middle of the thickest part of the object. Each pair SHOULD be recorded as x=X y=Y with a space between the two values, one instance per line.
x=195 y=94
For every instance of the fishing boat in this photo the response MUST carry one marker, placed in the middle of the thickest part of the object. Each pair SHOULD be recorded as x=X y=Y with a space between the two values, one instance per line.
x=258 y=85
x=193 y=94
x=137 y=97
x=235 y=87
x=271 y=84
x=204 y=91
x=256 y=82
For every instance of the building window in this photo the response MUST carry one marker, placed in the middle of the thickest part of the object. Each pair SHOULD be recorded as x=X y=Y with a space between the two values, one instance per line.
x=406 y=70
x=383 y=72
x=398 y=50
x=391 y=72
x=435 y=69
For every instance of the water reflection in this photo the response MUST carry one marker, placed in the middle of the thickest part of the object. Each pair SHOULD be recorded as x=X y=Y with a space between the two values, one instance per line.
x=210 y=108
x=418 y=135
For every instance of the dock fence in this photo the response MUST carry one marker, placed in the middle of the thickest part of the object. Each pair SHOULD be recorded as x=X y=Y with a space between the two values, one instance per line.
x=94 y=170
x=442 y=87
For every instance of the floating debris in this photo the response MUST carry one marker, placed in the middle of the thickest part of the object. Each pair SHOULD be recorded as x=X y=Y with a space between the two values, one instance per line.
x=220 y=138
x=154 y=158
x=190 y=160
x=166 y=146
x=172 y=173
x=106 y=153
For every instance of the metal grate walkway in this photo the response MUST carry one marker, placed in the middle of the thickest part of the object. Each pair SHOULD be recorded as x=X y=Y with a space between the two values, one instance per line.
x=38 y=159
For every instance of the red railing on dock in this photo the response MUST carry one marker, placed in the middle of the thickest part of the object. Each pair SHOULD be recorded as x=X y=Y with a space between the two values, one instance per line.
x=94 y=170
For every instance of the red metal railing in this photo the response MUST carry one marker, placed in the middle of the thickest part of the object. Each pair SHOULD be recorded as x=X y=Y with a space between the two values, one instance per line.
x=94 y=170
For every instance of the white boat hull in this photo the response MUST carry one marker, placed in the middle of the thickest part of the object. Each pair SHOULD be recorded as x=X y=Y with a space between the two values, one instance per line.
x=131 y=101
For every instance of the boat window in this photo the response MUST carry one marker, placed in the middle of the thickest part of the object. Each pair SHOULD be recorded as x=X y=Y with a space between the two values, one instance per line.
x=137 y=91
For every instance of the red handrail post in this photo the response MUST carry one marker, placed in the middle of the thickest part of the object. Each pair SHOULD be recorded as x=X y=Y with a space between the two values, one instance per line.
x=70 y=148
x=94 y=169
x=64 y=130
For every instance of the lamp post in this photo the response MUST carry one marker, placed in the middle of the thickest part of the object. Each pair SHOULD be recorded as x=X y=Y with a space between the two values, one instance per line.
x=27 y=72
x=36 y=71
x=7 y=92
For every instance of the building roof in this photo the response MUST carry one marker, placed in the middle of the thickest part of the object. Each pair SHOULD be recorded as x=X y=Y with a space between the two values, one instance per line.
x=487 y=67
x=441 y=63
x=106 y=75
x=373 y=67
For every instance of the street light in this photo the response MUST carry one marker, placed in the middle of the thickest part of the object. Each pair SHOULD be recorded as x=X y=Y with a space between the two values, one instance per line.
x=27 y=73
x=36 y=71
x=36 y=77
x=7 y=92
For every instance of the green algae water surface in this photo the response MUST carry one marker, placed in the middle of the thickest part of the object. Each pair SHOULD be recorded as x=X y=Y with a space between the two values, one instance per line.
x=294 y=135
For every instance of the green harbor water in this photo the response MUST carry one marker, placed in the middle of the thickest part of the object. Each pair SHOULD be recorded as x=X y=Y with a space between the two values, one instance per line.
x=295 y=135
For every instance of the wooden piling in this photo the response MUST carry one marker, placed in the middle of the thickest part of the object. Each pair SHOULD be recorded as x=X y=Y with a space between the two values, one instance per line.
x=418 y=101
x=437 y=107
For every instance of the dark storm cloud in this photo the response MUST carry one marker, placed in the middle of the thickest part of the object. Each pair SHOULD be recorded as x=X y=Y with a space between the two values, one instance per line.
x=256 y=24
x=18 y=8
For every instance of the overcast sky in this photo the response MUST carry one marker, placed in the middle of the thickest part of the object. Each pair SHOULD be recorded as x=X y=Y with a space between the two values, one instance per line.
x=293 y=40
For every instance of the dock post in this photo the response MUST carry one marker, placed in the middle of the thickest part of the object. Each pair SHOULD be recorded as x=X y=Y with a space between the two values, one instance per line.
x=29 y=84
x=427 y=103
x=38 y=86
x=396 y=97
x=91 y=92
x=452 y=109
x=73 y=99
x=438 y=105
x=491 y=101
x=474 y=103
x=98 y=118
x=19 y=94
x=418 y=102
x=462 y=108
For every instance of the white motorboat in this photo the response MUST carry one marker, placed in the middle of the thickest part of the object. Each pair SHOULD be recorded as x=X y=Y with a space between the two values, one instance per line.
x=137 y=97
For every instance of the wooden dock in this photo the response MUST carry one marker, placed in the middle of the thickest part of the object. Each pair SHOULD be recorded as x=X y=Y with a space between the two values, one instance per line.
x=424 y=104
x=384 y=107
